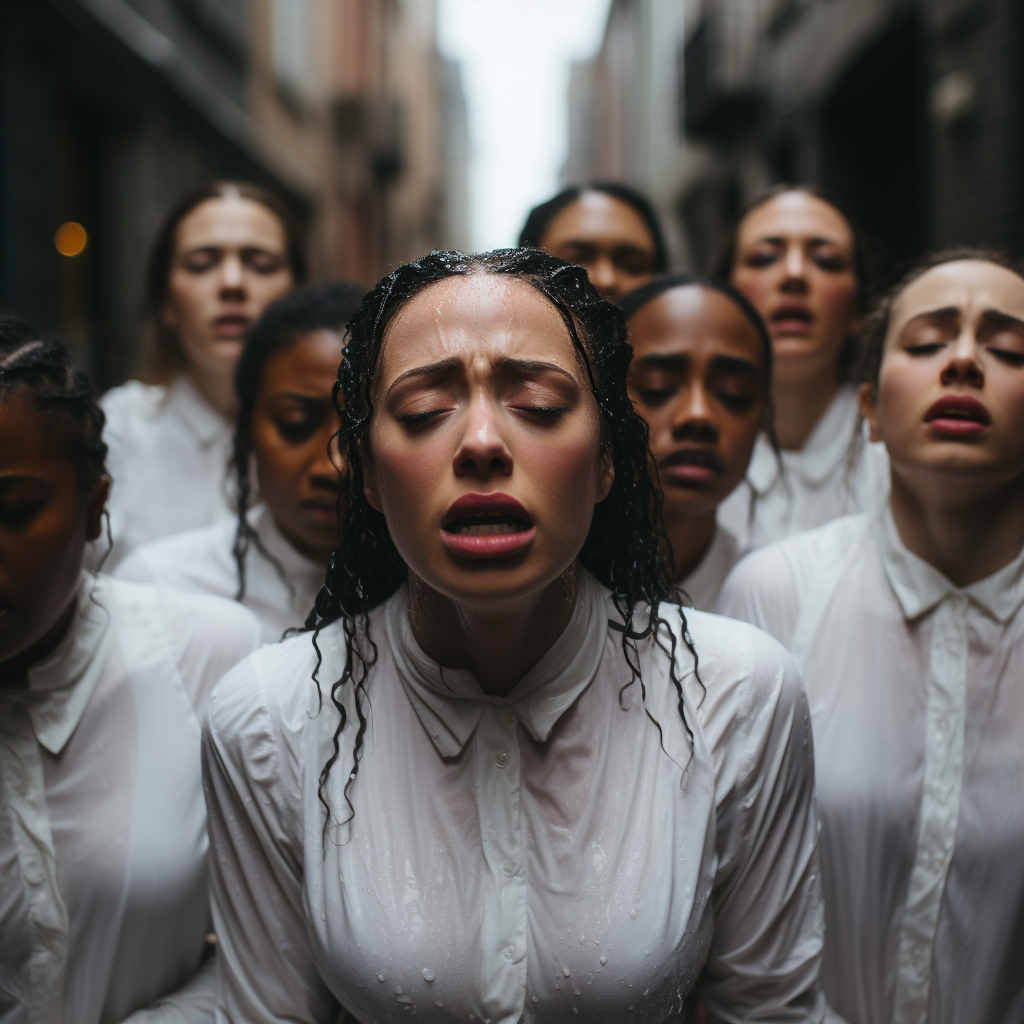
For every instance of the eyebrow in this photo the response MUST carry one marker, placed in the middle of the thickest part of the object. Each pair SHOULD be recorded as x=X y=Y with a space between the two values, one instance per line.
x=732 y=364
x=301 y=397
x=1001 y=319
x=816 y=240
x=519 y=367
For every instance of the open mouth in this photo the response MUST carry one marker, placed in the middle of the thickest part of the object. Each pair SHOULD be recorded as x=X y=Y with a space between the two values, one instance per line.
x=487 y=526
x=791 y=319
x=957 y=415
x=231 y=326
x=691 y=466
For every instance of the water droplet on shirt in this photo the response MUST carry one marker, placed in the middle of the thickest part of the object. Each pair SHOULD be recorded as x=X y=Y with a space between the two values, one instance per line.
x=558 y=984
x=428 y=974
x=648 y=953
x=603 y=959
x=577 y=991
x=398 y=990
x=633 y=911
x=581 y=940
x=565 y=971
x=535 y=999
x=380 y=978
x=323 y=916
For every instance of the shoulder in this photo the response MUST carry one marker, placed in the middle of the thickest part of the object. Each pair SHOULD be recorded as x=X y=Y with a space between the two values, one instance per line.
x=198 y=560
x=768 y=586
x=133 y=400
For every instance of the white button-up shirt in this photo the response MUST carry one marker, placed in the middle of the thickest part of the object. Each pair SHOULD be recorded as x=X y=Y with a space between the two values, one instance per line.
x=917 y=699
x=703 y=584
x=103 y=877
x=168 y=459
x=280 y=583
x=820 y=484
x=549 y=856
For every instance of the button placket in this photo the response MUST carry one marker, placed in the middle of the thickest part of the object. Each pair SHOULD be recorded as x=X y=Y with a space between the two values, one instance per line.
x=945 y=717
x=504 y=918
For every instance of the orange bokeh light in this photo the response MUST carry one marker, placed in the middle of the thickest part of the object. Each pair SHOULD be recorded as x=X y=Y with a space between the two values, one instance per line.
x=70 y=238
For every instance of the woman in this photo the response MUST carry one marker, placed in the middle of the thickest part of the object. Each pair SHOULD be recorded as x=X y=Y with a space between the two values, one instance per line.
x=909 y=630
x=610 y=230
x=805 y=266
x=701 y=378
x=225 y=252
x=518 y=802
x=272 y=558
x=104 y=909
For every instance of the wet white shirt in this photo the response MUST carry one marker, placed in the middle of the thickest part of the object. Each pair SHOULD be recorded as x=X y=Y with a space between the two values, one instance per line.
x=103 y=880
x=917 y=700
x=168 y=459
x=703 y=583
x=280 y=583
x=539 y=858
x=820 y=482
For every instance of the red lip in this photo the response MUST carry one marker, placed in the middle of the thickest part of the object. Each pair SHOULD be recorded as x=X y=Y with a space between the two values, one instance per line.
x=495 y=505
x=689 y=466
x=958 y=415
x=323 y=509
x=792 y=318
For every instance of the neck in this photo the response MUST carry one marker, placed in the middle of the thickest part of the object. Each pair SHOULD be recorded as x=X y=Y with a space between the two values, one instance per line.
x=966 y=539
x=497 y=645
x=14 y=671
x=218 y=392
x=800 y=404
x=690 y=537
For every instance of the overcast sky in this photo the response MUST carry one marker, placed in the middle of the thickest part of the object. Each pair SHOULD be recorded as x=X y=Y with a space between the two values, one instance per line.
x=515 y=57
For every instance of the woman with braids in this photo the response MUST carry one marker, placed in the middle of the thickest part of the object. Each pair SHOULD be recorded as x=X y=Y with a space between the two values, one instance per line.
x=497 y=783
x=272 y=557
x=609 y=229
x=701 y=378
x=104 y=908
x=804 y=264
x=908 y=626
x=224 y=253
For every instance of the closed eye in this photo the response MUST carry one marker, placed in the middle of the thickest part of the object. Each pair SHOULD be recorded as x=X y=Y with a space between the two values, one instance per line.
x=17 y=516
x=655 y=396
x=737 y=403
x=413 y=419
x=1008 y=357
x=548 y=411
x=927 y=349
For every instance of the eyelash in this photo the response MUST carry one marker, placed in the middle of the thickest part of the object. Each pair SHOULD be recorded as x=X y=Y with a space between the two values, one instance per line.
x=18 y=516
x=1015 y=359
x=547 y=411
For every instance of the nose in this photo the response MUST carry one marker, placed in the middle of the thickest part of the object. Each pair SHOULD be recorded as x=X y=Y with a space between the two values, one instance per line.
x=693 y=417
x=231 y=273
x=482 y=452
x=796 y=269
x=963 y=367
x=328 y=466
x=603 y=277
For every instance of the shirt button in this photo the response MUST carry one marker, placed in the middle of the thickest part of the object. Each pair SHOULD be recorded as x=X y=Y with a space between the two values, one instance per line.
x=501 y=760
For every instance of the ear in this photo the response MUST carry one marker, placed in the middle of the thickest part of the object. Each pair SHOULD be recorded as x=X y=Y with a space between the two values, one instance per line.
x=868 y=410
x=94 y=509
x=607 y=477
x=369 y=479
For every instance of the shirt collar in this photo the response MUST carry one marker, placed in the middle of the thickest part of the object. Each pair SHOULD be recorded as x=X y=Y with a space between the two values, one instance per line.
x=185 y=401
x=822 y=453
x=449 y=702
x=59 y=687
x=303 y=575
x=919 y=587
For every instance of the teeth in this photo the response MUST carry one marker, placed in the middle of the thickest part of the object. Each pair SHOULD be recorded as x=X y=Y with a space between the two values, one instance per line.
x=486 y=529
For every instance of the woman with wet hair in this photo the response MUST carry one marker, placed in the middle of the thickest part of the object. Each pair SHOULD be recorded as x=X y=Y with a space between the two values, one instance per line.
x=701 y=378
x=609 y=229
x=104 y=906
x=496 y=782
x=224 y=253
x=272 y=556
x=908 y=627
x=801 y=260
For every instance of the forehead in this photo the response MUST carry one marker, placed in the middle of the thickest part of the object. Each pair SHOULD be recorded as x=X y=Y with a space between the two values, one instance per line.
x=795 y=215
x=480 y=316
x=961 y=284
x=31 y=443
x=596 y=215
x=230 y=220
x=690 y=317
x=312 y=358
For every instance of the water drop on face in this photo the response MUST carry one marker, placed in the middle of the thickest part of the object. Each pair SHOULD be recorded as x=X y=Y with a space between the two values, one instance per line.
x=577 y=991
x=428 y=974
x=633 y=911
x=603 y=959
x=558 y=984
x=565 y=971
x=380 y=978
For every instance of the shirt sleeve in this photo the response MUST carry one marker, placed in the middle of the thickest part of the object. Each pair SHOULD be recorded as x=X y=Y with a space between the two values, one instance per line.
x=769 y=921
x=268 y=971
x=194 y=1003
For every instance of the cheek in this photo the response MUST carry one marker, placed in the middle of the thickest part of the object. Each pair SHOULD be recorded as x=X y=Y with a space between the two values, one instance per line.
x=901 y=388
x=278 y=465
x=756 y=286
x=562 y=474
x=836 y=298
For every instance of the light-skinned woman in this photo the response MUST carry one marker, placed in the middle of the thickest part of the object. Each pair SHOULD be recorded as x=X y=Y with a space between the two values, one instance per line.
x=224 y=253
x=494 y=782
x=909 y=629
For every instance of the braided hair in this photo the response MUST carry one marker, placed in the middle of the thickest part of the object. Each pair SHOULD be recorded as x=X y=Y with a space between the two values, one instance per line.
x=43 y=368
x=622 y=547
x=316 y=308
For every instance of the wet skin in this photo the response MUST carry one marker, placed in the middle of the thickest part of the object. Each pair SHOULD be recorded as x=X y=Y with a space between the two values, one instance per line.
x=794 y=261
x=480 y=392
x=698 y=379
x=293 y=423
x=44 y=526
x=230 y=262
x=606 y=237
x=950 y=409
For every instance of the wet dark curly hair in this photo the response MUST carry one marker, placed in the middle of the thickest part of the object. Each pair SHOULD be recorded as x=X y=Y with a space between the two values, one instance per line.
x=622 y=547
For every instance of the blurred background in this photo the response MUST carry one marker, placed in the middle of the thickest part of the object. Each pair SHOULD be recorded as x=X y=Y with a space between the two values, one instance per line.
x=392 y=127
